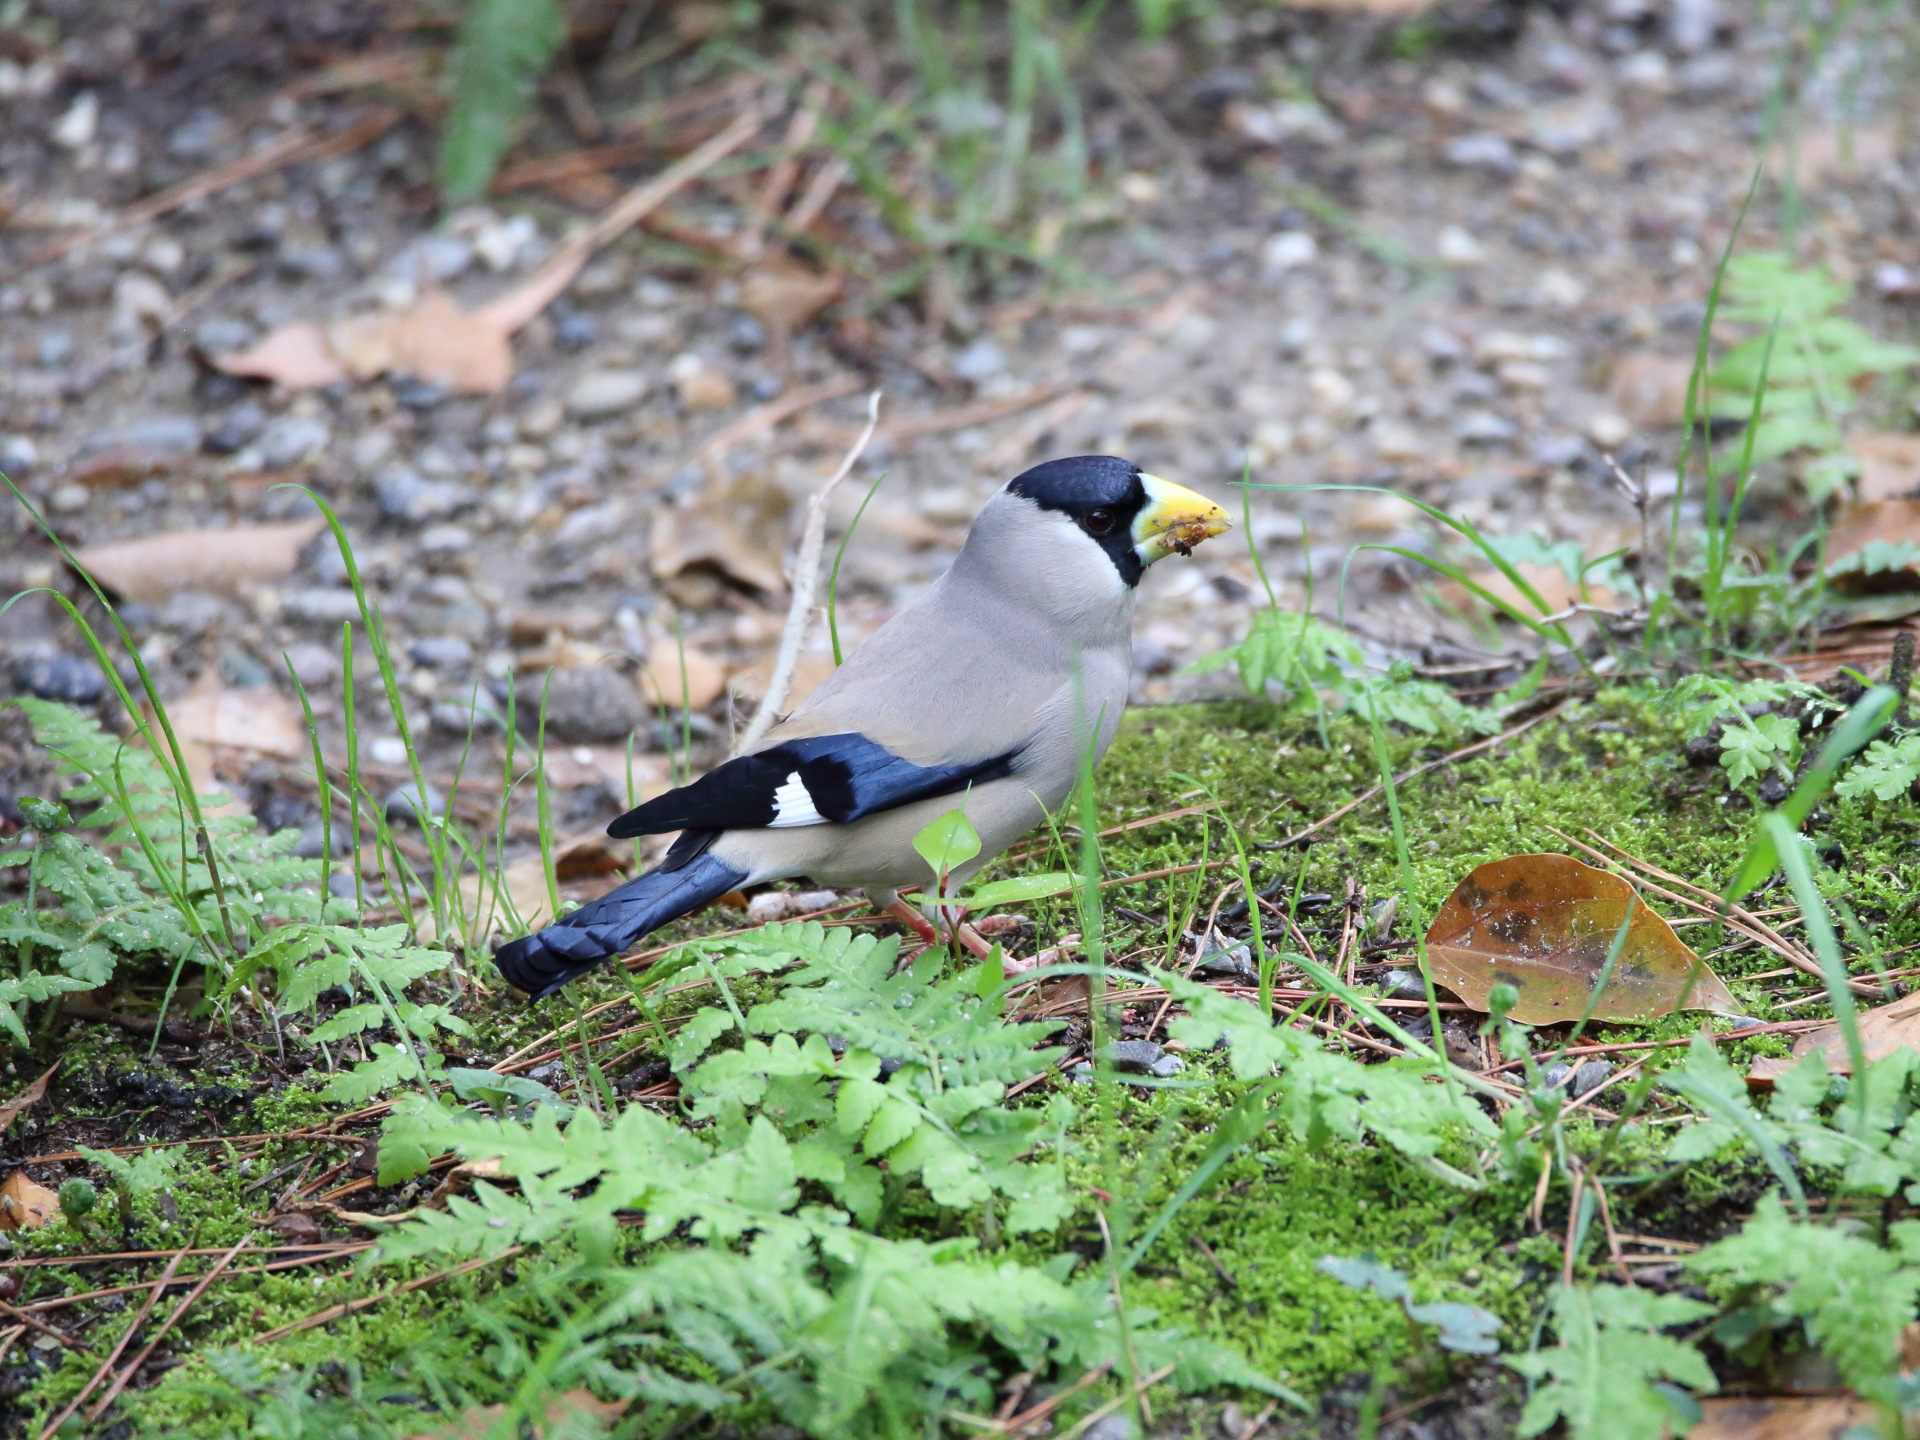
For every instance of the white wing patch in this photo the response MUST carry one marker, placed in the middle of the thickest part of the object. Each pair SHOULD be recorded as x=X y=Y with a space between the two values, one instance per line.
x=793 y=805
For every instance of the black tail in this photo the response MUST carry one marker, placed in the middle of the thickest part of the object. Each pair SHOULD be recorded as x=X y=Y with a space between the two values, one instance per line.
x=542 y=962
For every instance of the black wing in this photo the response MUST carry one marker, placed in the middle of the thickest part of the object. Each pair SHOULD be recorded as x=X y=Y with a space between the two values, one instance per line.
x=816 y=781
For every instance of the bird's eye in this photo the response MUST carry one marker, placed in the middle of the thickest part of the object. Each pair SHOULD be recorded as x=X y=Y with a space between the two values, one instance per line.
x=1098 y=522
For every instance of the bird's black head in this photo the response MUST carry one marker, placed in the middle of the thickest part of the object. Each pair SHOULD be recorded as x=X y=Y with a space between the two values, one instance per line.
x=1102 y=494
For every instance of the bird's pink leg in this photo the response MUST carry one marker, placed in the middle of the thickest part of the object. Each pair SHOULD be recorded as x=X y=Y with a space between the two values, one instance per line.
x=909 y=915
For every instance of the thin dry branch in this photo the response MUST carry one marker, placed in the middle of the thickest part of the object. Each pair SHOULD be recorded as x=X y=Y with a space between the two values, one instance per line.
x=106 y=1366
x=186 y=1303
x=806 y=579
x=351 y=1307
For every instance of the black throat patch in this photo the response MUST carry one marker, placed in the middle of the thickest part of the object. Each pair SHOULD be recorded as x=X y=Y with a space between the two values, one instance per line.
x=1093 y=491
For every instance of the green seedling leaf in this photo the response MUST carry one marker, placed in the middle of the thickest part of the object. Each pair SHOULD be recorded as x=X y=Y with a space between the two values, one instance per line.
x=946 y=841
x=1548 y=926
x=1464 y=1328
x=502 y=1092
x=1016 y=891
x=1366 y=1273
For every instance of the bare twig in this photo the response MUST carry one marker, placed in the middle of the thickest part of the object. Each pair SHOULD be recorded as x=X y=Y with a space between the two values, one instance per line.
x=106 y=1365
x=186 y=1302
x=349 y=1307
x=806 y=578
x=520 y=304
x=12 y=1313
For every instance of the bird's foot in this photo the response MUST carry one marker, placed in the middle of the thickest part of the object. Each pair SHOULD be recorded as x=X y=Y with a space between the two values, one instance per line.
x=909 y=915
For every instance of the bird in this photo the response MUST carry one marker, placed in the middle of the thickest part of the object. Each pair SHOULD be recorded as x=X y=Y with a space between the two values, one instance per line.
x=982 y=694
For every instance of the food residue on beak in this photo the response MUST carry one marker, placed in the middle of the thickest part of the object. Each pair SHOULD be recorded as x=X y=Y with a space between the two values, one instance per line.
x=1176 y=520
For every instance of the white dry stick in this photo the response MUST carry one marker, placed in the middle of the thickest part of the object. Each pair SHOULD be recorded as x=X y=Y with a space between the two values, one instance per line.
x=806 y=579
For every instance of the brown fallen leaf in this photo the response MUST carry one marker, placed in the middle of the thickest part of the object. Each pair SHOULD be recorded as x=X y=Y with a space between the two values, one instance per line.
x=1782 y=1417
x=1878 y=523
x=476 y=1422
x=222 y=730
x=1889 y=465
x=816 y=664
x=224 y=561
x=1651 y=390
x=297 y=1227
x=32 y=1095
x=783 y=295
x=1883 y=1030
x=1834 y=152
x=25 y=1205
x=668 y=664
x=122 y=465
x=434 y=338
x=589 y=857
x=737 y=526
x=1545 y=925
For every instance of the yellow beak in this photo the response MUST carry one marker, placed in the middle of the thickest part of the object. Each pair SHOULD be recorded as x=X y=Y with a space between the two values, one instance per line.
x=1174 y=520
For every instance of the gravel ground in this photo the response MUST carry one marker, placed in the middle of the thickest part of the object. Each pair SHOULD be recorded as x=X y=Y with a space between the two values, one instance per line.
x=1464 y=275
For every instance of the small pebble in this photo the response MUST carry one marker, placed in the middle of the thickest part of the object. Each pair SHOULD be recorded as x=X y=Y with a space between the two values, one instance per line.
x=573 y=330
x=18 y=454
x=292 y=441
x=241 y=426
x=441 y=652
x=314 y=835
x=456 y=717
x=1590 y=1077
x=404 y=494
x=55 y=675
x=1117 y=1426
x=1403 y=985
x=319 y=604
x=979 y=362
x=311 y=262
x=403 y=803
x=218 y=334
x=418 y=394
x=1135 y=1057
x=601 y=393
x=1234 y=962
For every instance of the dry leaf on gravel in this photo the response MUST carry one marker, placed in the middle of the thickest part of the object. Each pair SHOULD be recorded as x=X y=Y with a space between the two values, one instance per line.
x=1882 y=1031
x=816 y=664
x=28 y=1097
x=668 y=662
x=1545 y=924
x=25 y=1205
x=435 y=339
x=578 y=859
x=1783 y=1417
x=1651 y=390
x=476 y=1422
x=1831 y=152
x=223 y=561
x=1881 y=522
x=1889 y=465
x=226 y=730
x=737 y=527
x=784 y=296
